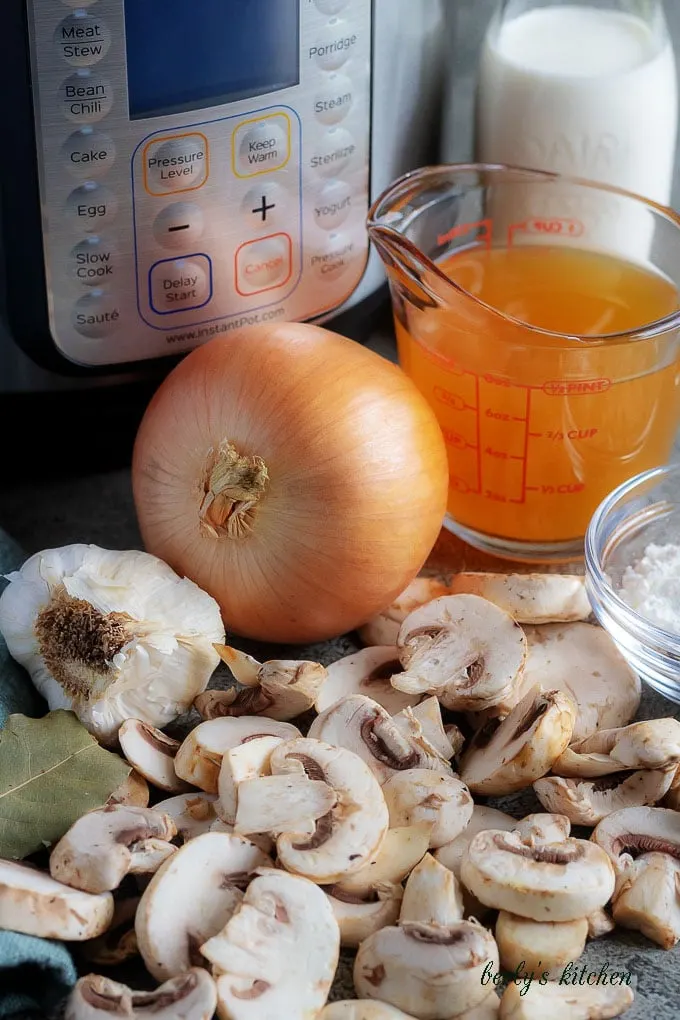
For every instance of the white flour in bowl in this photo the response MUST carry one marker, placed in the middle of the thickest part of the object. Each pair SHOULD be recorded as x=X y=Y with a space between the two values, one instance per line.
x=651 y=586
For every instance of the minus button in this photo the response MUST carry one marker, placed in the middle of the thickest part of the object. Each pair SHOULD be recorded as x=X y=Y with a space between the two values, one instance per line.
x=183 y=226
x=179 y=224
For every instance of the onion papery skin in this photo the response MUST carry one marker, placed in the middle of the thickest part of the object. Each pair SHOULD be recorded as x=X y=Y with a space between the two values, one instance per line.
x=357 y=479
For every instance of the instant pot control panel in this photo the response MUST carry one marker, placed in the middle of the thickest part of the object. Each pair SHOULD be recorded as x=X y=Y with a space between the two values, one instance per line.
x=202 y=166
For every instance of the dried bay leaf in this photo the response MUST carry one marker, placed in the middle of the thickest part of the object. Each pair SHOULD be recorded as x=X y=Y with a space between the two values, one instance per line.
x=52 y=771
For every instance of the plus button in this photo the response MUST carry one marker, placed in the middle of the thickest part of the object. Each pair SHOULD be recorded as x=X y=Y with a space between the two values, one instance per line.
x=263 y=209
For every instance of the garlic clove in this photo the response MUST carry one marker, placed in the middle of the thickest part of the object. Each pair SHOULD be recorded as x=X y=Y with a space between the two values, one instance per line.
x=111 y=635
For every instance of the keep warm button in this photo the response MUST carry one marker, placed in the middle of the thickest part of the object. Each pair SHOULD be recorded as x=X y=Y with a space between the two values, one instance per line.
x=261 y=146
x=178 y=285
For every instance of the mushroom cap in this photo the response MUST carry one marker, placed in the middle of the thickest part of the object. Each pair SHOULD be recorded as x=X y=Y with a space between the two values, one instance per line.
x=397 y=856
x=132 y=792
x=565 y=1002
x=635 y=830
x=366 y=672
x=544 y=828
x=651 y=744
x=191 y=996
x=522 y=748
x=547 y=882
x=352 y=832
x=426 y=970
x=200 y=756
x=278 y=954
x=34 y=904
x=245 y=761
x=588 y=801
x=361 y=1009
x=432 y=895
x=483 y=817
x=365 y=728
x=421 y=795
x=281 y=689
x=383 y=629
x=529 y=598
x=100 y=848
x=423 y=724
x=463 y=649
x=538 y=945
x=152 y=754
x=359 y=918
x=582 y=660
x=276 y=804
x=193 y=813
x=648 y=898
x=190 y=898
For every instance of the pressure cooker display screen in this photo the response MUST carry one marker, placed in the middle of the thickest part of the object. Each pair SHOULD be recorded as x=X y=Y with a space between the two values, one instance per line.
x=186 y=56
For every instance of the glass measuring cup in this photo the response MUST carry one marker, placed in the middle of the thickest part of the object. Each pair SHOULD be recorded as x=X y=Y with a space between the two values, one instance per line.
x=539 y=424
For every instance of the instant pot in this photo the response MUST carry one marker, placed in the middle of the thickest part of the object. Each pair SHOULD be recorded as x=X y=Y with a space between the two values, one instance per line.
x=178 y=171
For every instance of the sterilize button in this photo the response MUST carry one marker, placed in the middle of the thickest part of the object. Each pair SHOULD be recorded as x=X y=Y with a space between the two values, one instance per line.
x=334 y=46
x=331 y=6
x=93 y=262
x=180 y=163
x=85 y=97
x=89 y=153
x=334 y=152
x=332 y=204
x=264 y=265
x=178 y=285
x=179 y=226
x=97 y=314
x=82 y=39
x=91 y=207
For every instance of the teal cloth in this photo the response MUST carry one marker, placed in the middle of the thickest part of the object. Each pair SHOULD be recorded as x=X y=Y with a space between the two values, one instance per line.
x=35 y=974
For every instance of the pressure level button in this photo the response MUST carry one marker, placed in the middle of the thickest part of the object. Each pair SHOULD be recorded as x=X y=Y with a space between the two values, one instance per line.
x=85 y=97
x=179 y=163
x=82 y=39
x=88 y=153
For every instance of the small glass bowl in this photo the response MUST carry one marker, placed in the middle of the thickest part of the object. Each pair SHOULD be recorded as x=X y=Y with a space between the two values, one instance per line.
x=644 y=510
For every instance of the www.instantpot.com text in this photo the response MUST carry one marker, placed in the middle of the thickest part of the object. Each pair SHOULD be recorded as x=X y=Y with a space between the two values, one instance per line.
x=205 y=332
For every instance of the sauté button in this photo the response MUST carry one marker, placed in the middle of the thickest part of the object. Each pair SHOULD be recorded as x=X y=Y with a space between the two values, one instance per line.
x=264 y=265
x=91 y=207
x=334 y=45
x=178 y=285
x=89 y=153
x=334 y=152
x=176 y=164
x=93 y=262
x=82 y=39
x=85 y=97
x=332 y=204
x=96 y=315
x=262 y=146
x=333 y=102
x=179 y=225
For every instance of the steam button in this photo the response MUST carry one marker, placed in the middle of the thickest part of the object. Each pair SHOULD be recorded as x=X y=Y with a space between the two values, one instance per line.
x=334 y=101
x=82 y=39
x=91 y=207
x=97 y=314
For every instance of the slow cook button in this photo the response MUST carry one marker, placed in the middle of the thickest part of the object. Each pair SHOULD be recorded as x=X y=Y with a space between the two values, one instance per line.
x=179 y=285
x=179 y=225
x=82 y=39
x=334 y=101
x=89 y=153
x=334 y=45
x=264 y=265
x=335 y=259
x=93 y=262
x=85 y=97
x=260 y=147
x=332 y=205
x=333 y=153
x=176 y=164
x=91 y=207
x=96 y=315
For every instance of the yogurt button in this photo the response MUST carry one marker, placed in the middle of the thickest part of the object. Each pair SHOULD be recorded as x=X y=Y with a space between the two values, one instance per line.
x=91 y=207
x=96 y=314
x=332 y=204
x=93 y=262
x=179 y=225
x=82 y=39
x=333 y=152
x=85 y=97
x=89 y=153
x=334 y=45
x=334 y=101
x=333 y=261
x=331 y=6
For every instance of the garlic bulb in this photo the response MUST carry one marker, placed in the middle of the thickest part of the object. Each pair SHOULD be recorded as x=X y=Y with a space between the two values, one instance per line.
x=111 y=635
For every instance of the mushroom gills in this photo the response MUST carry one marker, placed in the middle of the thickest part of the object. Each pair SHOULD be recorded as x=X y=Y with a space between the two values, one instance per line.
x=588 y=801
x=627 y=833
x=383 y=629
x=366 y=672
x=191 y=996
x=280 y=689
x=152 y=754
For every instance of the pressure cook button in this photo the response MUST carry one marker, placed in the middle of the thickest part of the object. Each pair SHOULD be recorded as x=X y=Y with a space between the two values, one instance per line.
x=82 y=39
x=89 y=153
x=91 y=207
x=93 y=262
x=332 y=205
x=179 y=285
x=180 y=163
x=331 y=6
x=85 y=97
x=97 y=314
x=333 y=262
x=333 y=102
x=179 y=225
x=334 y=45
x=261 y=146
x=333 y=153
x=264 y=265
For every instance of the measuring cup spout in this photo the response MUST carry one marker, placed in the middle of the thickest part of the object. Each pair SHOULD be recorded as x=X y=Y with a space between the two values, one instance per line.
x=408 y=268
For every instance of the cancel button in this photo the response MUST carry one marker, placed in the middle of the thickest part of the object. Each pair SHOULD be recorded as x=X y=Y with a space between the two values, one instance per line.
x=89 y=153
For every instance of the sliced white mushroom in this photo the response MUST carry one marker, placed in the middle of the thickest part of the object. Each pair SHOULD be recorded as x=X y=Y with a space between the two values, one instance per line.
x=192 y=996
x=451 y=855
x=365 y=728
x=599 y=924
x=396 y=858
x=423 y=724
x=152 y=754
x=193 y=813
x=246 y=761
x=588 y=801
x=511 y=755
x=648 y=898
x=132 y=792
x=544 y=828
x=360 y=917
x=291 y=804
x=277 y=955
x=561 y=881
x=525 y=945
x=582 y=660
x=672 y=798
x=565 y=1002
x=190 y=898
x=652 y=744
x=361 y=1009
x=432 y=895
x=638 y=830
x=261 y=839
x=426 y=970
x=103 y=846
x=34 y=904
x=366 y=672
x=199 y=758
x=529 y=598
x=119 y=943
x=463 y=649
x=421 y=795
x=283 y=689
x=383 y=629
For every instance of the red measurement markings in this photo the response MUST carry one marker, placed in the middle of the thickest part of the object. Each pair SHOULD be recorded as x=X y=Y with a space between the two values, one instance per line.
x=573 y=435
x=453 y=400
x=461 y=229
x=479 y=436
x=575 y=387
x=568 y=489
x=557 y=226
x=527 y=415
x=457 y=441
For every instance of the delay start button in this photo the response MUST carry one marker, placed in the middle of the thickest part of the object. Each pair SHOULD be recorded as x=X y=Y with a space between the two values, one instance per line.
x=88 y=153
x=179 y=285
